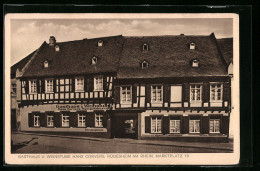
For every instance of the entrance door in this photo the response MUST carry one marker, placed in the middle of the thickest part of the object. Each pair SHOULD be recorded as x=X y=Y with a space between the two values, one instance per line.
x=124 y=126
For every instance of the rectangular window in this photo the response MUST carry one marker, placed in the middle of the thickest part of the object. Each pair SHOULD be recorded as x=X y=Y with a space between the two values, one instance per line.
x=156 y=124
x=157 y=93
x=32 y=86
x=63 y=85
x=98 y=83
x=36 y=120
x=195 y=92
x=13 y=90
x=50 y=121
x=81 y=120
x=175 y=126
x=98 y=120
x=176 y=93
x=49 y=86
x=126 y=94
x=214 y=125
x=216 y=91
x=194 y=126
x=79 y=84
x=65 y=120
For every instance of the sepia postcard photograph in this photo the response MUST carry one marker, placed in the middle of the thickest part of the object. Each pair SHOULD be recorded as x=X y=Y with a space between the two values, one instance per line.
x=122 y=89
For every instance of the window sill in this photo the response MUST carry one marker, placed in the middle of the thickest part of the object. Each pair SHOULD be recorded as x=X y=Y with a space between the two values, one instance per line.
x=194 y=132
x=157 y=102
x=125 y=103
x=214 y=132
x=79 y=91
x=33 y=93
x=195 y=101
x=216 y=101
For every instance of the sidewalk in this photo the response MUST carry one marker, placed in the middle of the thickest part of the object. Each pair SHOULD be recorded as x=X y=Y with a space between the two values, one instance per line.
x=23 y=140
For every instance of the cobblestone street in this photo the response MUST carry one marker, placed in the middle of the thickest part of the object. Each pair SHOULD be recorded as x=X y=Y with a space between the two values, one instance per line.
x=44 y=143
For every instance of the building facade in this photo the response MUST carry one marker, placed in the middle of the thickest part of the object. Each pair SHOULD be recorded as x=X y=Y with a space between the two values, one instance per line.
x=154 y=87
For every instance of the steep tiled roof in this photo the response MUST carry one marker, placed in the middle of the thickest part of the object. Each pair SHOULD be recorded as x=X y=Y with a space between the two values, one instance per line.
x=75 y=57
x=19 y=65
x=226 y=46
x=170 y=56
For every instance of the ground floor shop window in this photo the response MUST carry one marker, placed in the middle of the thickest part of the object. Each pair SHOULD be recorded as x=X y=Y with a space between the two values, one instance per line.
x=175 y=126
x=36 y=120
x=65 y=120
x=194 y=126
x=156 y=124
x=98 y=120
x=81 y=120
x=50 y=122
x=214 y=125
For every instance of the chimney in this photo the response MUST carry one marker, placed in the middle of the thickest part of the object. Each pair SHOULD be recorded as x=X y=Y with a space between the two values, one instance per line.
x=52 y=41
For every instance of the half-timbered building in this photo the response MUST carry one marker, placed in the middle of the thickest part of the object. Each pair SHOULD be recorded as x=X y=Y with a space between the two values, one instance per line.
x=172 y=87
x=68 y=86
x=152 y=87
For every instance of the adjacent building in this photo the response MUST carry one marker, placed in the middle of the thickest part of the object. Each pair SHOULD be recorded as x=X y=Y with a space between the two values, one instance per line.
x=152 y=87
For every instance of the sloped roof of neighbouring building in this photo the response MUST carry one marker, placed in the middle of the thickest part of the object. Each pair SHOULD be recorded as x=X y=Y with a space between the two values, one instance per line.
x=74 y=57
x=170 y=56
x=19 y=65
x=226 y=46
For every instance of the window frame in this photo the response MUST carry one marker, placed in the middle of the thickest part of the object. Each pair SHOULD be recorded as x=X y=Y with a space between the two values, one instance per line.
x=36 y=116
x=221 y=93
x=94 y=60
x=95 y=84
x=156 y=124
x=99 y=122
x=100 y=43
x=145 y=47
x=201 y=89
x=121 y=95
x=30 y=88
x=64 y=115
x=147 y=64
x=195 y=63
x=46 y=64
x=214 y=126
x=174 y=119
x=76 y=84
x=156 y=101
x=82 y=119
x=50 y=116
x=46 y=85
x=192 y=44
x=194 y=120
x=13 y=90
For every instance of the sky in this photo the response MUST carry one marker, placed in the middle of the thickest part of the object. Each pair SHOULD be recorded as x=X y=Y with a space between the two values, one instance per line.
x=28 y=34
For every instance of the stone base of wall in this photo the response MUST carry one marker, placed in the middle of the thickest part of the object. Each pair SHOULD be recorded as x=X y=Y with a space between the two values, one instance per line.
x=187 y=138
x=82 y=134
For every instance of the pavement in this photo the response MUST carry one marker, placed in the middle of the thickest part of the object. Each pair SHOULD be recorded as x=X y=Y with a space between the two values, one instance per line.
x=46 y=143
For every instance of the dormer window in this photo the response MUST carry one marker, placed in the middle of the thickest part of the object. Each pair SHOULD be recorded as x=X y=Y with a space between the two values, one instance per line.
x=94 y=60
x=195 y=63
x=46 y=64
x=145 y=46
x=192 y=45
x=145 y=64
x=57 y=48
x=100 y=43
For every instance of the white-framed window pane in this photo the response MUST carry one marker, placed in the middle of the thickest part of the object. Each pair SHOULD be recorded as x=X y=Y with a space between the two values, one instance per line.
x=194 y=126
x=98 y=83
x=13 y=89
x=36 y=120
x=126 y=96
x=216 y=91
x=195 y=92
x=65 y=120
x=214 y=125
x=49 y=85
x=157 y=94
x=156 y=124
x=175 y=126
x=50 y=121
x=81 y=120
x=79 y=84
x=32 y=86
x=98 y=120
